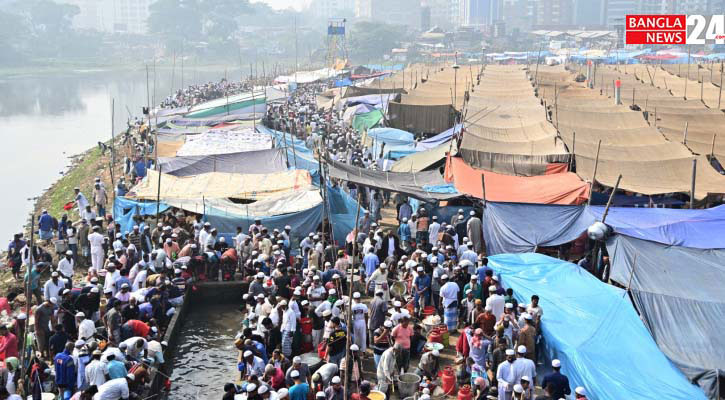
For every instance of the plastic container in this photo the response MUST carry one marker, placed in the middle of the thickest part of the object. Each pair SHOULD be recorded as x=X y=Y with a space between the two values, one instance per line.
x=435 y=337
x=306 y=326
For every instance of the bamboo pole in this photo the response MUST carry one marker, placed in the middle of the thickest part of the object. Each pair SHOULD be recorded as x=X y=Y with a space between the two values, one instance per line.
x=346 y=384
x=692 y=183
x=594 y=174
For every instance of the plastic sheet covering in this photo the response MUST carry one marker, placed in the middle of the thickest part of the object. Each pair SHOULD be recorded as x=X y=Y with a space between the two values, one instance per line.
x=223 y=142
x=124 y=210
x=365 y=121
x=678 y=292
x=520 y=228
x=220 y=185
x=565 y=188
x=285 y=203
x=423 y=160
x=594 y=330
x=249 y=162
x=438 y=139
x=410 y=184
x=421 y=119
x=700 y=229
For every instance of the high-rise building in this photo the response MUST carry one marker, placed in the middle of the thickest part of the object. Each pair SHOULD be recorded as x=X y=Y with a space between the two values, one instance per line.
x=333 y=8
x=588 y=12
x=517 y=14
x=554 y=12
x=613 y=11
x=363 y=9
x=443 y=13
x=478 y=12
x=120 y=16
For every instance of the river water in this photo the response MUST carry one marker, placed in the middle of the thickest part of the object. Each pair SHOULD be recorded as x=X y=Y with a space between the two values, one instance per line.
x=46 y=118
x=205 y=356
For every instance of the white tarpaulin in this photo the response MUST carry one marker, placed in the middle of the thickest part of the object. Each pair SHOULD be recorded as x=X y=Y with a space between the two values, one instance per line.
x=309 y=76
x=217 y=141
x=286 y=203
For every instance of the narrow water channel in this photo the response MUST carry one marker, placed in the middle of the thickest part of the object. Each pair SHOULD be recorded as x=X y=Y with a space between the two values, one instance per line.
x=205 y=357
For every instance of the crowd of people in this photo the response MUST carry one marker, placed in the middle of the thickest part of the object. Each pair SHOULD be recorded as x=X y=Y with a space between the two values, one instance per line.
x=98 y=334
x=195 y=94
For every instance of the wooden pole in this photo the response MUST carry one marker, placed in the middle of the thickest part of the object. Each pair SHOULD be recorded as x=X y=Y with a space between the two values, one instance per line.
x=27 y=295
x=113 y=150
x=631 y=275
x=611 y=198
x=692 y=183
x=688 y=72
x=684 y=135
x=350 y=274
x=712 y=149
x=719 y=96
x=573 y=150
x=483 y=189
x=594 y=174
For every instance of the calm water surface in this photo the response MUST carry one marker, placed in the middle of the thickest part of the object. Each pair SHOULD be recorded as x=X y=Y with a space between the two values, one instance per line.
x=205 y=357
x=44 y=119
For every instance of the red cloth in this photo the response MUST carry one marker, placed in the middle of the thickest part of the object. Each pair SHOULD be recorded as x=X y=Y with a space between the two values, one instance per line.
x=4 y=305
x=8 y=346
x=462 y=346
x=277 y=378
x=139 y=327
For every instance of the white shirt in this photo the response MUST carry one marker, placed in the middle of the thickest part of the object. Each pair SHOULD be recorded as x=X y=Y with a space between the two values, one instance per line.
x=449 y=293
x=391 y=246
x=203 y=237
x=86 y=329
x=289 y=320
x=140 y=280
x=82 y=201
x=52 y=289
x=110 y=282
x=114 y=389
x=131 y=348
x=358 y=311
x=433 y=233
x=65 y=266
x=96 y=240
x=94 y=373
x=497 y=304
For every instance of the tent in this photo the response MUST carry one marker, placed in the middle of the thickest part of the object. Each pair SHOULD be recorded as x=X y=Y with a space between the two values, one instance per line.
x=411 y=184
x=222 y=141
x=678 y=292
x=563 y=188
x=364 y=121
x=594 y=330
x=423 y=160
x=220 y=185
x=249 y=162
x=125 y=209
x=244 y=105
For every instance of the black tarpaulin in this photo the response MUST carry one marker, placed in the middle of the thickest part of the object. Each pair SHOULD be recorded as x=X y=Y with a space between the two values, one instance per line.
x=248 y=162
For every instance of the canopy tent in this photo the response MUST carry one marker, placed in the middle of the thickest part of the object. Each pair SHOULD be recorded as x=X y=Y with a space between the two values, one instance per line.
x=421 y=118
x=243 y=105
x=519 y=228
x=594 y=330
x=220 y=185
x=222 y=141
x=125 y=209
x=248 y=162
x=423 y=160
x=302 y=77
x=411 y=184
x=365 y=121
x=563 y=188
x=285 y=203
x=443 y=137
x=678 y=292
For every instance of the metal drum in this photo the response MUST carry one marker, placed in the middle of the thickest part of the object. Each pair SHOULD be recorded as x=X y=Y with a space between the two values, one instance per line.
x=312 y=361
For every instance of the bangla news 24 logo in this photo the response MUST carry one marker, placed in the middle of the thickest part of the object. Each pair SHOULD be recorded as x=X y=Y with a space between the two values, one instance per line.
x=675 y=29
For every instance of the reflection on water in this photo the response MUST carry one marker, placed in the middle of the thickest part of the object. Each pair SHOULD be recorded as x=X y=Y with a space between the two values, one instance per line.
x=44 y=119
x=205 y=357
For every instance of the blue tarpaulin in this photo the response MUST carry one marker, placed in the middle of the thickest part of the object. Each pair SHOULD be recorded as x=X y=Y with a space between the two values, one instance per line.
x=124 y=210
x=518 y=228
x=438 y=139
x=592 y=328
x=343 y=82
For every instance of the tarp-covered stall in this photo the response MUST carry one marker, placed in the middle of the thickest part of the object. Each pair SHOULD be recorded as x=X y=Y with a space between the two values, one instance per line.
x=678 y=292
x=249 y=162
x=594 y=330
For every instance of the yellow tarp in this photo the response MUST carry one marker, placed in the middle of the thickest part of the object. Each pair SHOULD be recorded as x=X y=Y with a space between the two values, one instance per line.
x=217 y=185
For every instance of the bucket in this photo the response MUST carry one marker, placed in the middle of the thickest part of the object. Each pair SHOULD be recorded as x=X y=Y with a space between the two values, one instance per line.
x=376 y=395
x=408 y=385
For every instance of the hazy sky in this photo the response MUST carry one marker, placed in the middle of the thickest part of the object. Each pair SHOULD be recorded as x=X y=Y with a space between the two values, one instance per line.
x=282 y=4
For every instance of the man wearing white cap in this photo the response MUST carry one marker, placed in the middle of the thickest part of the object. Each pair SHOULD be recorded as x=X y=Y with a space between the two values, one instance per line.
x=580 y=393
x=86 y=327
x=559 y=382
x=253 y=365
x=523 y=366
x=496 y=302
x=379 y=281
x=474 y=231
x=433 y=231
x=449 y=299
x=53 y=286
x=288 y=327
x=300 y=389
x=66 y=265
x=506 y=377
x=334 y=391
x=429 y=364
x=359 y=322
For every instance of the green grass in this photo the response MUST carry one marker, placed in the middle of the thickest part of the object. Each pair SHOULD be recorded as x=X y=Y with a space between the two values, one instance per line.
x=80 y=175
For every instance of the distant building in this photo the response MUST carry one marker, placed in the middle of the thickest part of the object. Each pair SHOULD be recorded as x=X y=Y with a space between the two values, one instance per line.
x=443 y=13
x=588 y=12
x=398 y=12
x=115 y=16
x=327 y=9
x=554 y=12
x=478 y=12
